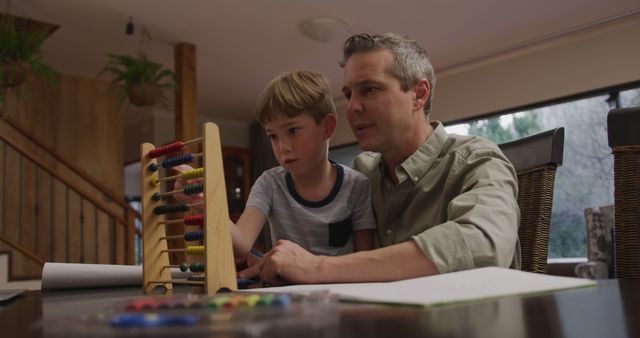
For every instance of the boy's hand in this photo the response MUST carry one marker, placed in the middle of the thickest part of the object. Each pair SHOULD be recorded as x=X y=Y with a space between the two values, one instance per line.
x=181 y=183
x=251 y=266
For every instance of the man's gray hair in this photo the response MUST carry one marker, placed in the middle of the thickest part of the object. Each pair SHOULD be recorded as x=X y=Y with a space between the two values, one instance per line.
x=410 y=63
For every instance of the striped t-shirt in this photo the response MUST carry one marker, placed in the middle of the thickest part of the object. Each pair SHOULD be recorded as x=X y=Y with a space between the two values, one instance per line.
x=323 y=227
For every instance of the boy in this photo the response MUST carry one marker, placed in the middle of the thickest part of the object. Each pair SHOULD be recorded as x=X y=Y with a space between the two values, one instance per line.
x=319 y=204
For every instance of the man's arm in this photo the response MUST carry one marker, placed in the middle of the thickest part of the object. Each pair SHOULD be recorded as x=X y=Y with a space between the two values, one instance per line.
x=291 y=262
x=482 y=225
x=363 y=239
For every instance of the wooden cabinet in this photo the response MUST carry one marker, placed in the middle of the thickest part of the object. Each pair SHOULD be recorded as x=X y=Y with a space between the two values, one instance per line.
x=236 y=163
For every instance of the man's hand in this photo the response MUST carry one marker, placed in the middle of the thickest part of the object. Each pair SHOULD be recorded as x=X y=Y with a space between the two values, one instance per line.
x=287 y=262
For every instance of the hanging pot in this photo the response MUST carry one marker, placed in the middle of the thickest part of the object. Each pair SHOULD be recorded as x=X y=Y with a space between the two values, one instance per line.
x=144 y=95
x=12 y=74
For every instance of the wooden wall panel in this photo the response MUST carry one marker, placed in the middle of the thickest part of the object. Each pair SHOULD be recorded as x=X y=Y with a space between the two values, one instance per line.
x=81 y=121
x=12 y=191
x=28 y=210
x=2 y=179
x=74 y=236
x=60 y=224
x=45 y=215
x=89 y=250
x=3 y=192
x=12 y=202
x=104 y=238
x=120 y=244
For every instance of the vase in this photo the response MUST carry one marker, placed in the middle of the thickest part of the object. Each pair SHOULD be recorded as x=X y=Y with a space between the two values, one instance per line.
x=12 y=74
x=144 y=95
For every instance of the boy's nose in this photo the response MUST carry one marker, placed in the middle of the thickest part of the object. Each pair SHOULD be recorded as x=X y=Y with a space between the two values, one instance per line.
x=285 y=146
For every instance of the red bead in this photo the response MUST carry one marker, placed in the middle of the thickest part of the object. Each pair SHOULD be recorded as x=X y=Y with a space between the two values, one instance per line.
x=194 y=220
x=166 y=149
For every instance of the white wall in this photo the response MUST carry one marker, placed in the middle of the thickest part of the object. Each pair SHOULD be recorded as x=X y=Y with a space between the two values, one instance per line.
x=581 y=62
x=157 y=125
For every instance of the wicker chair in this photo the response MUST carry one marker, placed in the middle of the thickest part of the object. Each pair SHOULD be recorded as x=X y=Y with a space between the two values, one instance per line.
x=624 y=140
x=536 y=159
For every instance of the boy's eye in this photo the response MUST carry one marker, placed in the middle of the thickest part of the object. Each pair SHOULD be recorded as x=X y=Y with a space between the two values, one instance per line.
x=347 y=94
x=294 y=130
x=272 y=137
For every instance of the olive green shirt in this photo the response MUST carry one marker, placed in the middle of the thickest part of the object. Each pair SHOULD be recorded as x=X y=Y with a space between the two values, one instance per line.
x=456 y=198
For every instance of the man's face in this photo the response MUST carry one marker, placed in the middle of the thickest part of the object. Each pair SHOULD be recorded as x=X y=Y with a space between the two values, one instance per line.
x=378 y=110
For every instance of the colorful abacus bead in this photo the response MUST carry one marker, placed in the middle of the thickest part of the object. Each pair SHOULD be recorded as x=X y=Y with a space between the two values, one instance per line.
x=156 y=196
x=194 y=220
x=193 y=236
x=170 y=208
x=191 y=174
x=195 y=250
x=166 y=149
x=152 y=167
x=174 y=161
x=197 y=267
x=193 y=189
x=184 y=267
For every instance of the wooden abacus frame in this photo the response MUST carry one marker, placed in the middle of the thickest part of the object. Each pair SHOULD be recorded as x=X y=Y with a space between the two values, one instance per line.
x=219 y=268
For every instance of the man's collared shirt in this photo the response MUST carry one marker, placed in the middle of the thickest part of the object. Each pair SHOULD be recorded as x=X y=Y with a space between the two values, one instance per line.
x=456 y=198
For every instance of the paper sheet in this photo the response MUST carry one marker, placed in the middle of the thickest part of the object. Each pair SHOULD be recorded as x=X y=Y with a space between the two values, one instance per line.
x=73 y=275
x=470 y=285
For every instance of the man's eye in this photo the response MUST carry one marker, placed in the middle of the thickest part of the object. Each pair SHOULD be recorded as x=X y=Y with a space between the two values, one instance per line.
x=294 y=130
x=347 y=95
x=272 y=137
x=371 y=89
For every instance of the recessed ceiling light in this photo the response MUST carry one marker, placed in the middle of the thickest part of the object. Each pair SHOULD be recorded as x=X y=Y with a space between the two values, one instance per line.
x=323 y=29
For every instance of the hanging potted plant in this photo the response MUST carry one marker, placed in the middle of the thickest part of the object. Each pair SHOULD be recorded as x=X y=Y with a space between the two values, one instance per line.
x=20 y=51
x=143 y=81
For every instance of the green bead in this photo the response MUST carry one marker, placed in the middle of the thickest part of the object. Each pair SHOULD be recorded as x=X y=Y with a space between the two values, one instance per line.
x=184 y=267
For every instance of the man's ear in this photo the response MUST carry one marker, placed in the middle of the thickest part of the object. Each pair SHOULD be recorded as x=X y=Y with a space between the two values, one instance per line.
x=330 y=123
x=422 y=90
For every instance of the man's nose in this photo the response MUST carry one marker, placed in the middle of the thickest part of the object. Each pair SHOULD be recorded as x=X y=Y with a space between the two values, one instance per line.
x=354 y=105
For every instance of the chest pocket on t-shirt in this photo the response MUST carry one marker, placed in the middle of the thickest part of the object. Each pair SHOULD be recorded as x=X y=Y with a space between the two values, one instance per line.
x=339 y=232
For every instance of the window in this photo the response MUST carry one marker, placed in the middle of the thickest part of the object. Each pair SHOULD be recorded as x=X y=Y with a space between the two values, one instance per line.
x=586 y=177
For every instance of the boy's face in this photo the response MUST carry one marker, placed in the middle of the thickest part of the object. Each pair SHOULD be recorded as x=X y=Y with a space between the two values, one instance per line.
x=299 y=144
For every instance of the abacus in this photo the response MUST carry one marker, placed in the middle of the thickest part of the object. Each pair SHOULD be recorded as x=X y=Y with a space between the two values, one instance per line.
x=217 y=270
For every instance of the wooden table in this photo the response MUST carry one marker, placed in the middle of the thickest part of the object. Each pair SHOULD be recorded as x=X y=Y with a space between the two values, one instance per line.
x=610 y=310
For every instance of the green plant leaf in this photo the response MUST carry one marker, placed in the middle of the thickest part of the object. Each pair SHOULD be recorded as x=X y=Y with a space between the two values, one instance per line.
x=21 y=46
x=129 y=71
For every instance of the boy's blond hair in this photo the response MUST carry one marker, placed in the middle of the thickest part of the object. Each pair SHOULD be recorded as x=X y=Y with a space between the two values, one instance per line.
x=294 y=93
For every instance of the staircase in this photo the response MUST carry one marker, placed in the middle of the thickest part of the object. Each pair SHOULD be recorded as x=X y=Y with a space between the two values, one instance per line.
x=7 y=283
x=52 y=211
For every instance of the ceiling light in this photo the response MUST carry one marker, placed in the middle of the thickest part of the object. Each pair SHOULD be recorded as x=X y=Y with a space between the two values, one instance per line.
x=323 y=29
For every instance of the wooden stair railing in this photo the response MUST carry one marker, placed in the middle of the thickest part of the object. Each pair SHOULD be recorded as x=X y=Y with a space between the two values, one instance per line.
x=117 y=228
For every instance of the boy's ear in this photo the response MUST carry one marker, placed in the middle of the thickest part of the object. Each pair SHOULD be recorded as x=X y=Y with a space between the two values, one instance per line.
x=330 y=123
x=423 y=88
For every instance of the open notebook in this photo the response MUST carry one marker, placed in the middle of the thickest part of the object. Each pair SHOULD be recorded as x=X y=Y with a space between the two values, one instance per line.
x=463 y=286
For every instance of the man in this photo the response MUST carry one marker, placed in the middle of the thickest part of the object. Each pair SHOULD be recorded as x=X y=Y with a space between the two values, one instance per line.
x=443 y=202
